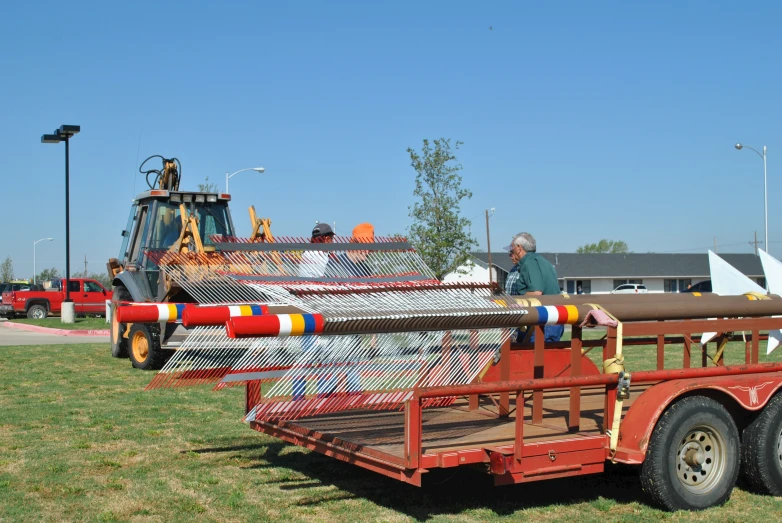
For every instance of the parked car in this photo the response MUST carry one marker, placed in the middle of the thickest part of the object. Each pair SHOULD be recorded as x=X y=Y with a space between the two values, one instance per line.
x=701 y=286
x=89 y=297
x=629 y=288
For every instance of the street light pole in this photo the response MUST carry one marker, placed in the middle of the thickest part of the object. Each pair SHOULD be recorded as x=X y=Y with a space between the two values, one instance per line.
x=67 y=223
x=765 y=185
x=765 y=193
x=488 y=243
x=64 y=133
x=34 y=244
x=228 y=177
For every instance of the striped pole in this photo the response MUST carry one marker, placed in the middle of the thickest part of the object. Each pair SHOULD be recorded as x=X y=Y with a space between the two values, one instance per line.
x=150 y=313
x=274 y=325
x=220 y=314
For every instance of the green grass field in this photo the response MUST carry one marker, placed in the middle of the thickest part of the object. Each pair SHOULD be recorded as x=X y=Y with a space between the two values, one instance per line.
x=81 y=441
x=645 y=357
x=56 y=323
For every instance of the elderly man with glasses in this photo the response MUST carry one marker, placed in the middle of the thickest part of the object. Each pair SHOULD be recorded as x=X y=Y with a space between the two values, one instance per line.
x=536 y=276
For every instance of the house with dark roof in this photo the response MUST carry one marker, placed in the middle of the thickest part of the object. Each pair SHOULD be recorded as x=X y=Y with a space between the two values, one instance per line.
x=601 y=273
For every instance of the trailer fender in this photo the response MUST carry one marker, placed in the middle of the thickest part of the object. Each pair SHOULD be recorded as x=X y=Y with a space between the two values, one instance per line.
x=750 y=392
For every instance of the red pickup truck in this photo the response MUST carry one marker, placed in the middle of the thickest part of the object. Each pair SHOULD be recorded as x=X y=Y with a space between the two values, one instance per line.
x=89 y=297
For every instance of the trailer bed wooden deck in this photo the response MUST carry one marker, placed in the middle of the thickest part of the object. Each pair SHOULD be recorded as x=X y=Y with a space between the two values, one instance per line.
x=454 y=428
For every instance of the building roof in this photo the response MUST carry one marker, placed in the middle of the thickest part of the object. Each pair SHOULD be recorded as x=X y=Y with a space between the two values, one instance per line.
x=579 y=266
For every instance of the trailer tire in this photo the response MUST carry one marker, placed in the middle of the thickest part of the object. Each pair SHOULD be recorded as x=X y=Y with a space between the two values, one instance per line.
x=761 y=449
x=119 y=344
x=144 y=346
x=37 y=312
x=692 y=461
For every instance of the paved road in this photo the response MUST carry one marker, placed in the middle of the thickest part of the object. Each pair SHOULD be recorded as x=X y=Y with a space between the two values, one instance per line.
x=10 y=336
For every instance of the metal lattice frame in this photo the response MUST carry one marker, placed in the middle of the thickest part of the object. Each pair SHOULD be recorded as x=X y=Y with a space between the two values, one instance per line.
x=313 y=374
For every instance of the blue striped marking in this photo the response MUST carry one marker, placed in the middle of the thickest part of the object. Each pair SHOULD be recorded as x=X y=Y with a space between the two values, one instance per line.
x=542 y=315
x=256 y=310
x=309 y=323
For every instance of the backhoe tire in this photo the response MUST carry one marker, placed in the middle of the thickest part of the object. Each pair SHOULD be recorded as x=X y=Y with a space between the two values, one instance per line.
x=37 y=312
x=692 y=461
x=144 y=346
x=119 y=344
x=761 y=449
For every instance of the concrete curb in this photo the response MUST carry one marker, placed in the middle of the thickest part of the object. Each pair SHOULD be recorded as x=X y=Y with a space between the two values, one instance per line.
x=58 y=332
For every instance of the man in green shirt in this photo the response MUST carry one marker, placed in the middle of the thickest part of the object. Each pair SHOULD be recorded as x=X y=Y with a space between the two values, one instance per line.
x=536 y=276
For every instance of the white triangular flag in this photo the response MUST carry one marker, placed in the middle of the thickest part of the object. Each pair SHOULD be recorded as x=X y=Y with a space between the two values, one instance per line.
x=772 y=268
x=726 y=280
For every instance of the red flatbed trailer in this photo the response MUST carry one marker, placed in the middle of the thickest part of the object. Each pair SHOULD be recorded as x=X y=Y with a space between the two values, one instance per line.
x=701 y=412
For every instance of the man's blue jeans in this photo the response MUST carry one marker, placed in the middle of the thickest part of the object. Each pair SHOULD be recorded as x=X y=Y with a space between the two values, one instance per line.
x=326 y=385
x=551 y=333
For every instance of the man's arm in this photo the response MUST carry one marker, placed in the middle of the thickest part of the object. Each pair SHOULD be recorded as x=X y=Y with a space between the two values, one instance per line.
x=534 y=293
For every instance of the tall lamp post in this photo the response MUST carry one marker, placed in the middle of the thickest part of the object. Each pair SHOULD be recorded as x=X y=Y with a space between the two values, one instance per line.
x=228 y=177
x=488 y=242
x=765 y=184
x=34 y=244
x=63 y=134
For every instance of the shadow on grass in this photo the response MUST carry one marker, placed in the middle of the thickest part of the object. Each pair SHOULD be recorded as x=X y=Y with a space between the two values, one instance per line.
x=444 y=491
x=233 y=448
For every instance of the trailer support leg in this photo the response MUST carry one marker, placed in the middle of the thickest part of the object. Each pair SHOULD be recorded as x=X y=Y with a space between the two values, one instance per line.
x=574 y=416
x=537 y=372
x=504 y=408
x=412 y=433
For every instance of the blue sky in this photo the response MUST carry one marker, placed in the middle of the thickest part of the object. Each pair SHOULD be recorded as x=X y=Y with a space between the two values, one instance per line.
x=580 y=121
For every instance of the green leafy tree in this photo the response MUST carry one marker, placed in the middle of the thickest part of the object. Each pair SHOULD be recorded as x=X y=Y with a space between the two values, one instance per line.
x=438 y=233
x=47 y=274
x=101 y=277
x=604 y=246
x=7 y=269
x=207 y=187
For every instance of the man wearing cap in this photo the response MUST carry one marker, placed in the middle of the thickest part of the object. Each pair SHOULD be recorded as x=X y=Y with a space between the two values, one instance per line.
x=536 y=276
x=313 y=263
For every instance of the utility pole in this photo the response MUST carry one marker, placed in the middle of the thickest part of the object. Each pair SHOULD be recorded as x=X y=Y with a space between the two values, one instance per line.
x=715 y=245
x=488 y=244
x=755 y=243
x=85 y=265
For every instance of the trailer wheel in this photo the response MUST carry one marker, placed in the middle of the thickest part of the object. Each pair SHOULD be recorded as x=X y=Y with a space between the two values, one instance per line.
x=693 y=457
x=145 y=351
x=37 y=312
x=761 y=449
x=119 y=345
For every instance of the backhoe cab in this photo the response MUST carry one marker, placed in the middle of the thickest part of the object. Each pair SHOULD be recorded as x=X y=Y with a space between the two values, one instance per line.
x=163 y=220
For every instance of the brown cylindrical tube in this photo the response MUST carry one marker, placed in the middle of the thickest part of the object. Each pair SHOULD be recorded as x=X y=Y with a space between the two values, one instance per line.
x=411 y=321
x=620 y=300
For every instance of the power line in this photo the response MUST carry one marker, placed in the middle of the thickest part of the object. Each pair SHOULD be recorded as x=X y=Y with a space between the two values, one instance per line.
x=710 y=246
